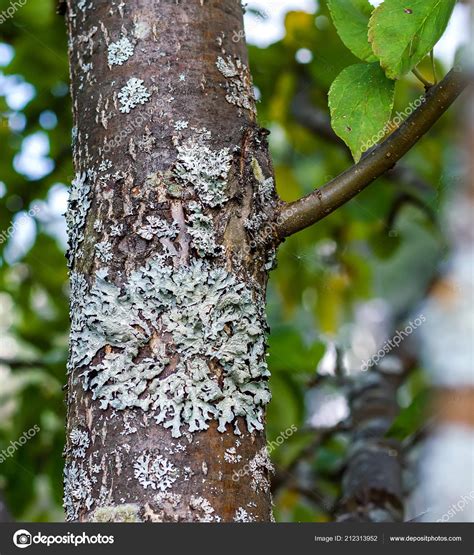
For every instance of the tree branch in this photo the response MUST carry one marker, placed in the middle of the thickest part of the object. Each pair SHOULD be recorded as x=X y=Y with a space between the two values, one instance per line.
x=318 y=122
x=295 y=216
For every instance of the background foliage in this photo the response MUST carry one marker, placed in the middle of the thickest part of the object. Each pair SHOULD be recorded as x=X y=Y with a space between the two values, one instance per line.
x=341 y=287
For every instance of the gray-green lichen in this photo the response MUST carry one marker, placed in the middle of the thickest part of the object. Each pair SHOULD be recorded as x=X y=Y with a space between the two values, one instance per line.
x=206 y=512
x=79 y=441
x=212 y=319
x=157 y=473
x=241 y=515
x=203 y=168
x=76 y=215
x=133 y=94
x=158 y=227
x=259 y=468
x=104 y=251
x=238 y=82
x=119 y=52
x=201 y=229
x=119 y=513
x=77 y=489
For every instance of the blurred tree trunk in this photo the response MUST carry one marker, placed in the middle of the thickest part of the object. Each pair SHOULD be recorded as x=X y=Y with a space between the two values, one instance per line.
x=447 y=479
x=372 y=482
x=169 y=256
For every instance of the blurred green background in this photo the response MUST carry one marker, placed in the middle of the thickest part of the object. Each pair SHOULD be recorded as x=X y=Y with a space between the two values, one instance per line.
x=340 y=288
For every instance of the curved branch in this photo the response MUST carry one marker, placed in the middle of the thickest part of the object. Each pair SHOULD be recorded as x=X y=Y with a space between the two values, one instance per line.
x=319 y=123
x=310 y=209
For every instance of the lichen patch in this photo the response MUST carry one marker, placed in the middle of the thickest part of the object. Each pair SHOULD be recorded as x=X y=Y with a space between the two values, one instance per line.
x=119 y=52
x=239 y=89
x=133 y=94
x=76 y=215
x=155 y=472
x=205 y=169
x=209 y=314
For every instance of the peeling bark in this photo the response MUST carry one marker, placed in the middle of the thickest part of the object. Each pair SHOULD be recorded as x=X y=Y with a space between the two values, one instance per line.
x=170 y=246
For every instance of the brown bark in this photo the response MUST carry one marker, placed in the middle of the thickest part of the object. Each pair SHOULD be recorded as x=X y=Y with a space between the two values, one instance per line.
x=197 y=96
x=173 y=222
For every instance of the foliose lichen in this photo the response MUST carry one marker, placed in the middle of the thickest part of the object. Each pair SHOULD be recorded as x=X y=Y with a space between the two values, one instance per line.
x=238 y=82
x=206 y=511
x=119 y=52
x=157 y=473
x=158 y=227
x=231 y=456
x=79 y=442
x=180 y=124
x=104 y=251
x=259 y=467
x=201 y=229
x=76 y=215
x=241 y=515
x=210 y=315
x=133 y=94
x=203 y=168
x=77 y=490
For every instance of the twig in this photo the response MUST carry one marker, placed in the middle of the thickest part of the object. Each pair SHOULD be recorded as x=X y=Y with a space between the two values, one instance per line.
x=295 y=216
x=420 y=77
x=316 y=121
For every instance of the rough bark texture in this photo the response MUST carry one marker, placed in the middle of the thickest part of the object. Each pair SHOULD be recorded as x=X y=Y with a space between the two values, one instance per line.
x=372 y=482
x=169 y=255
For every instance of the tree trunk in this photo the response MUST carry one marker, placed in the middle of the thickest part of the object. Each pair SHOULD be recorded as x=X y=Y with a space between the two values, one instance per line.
x=170 y=244
x=446 y=492
x=372 y=482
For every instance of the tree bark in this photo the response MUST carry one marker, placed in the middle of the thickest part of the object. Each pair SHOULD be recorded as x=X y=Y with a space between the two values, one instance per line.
x=173 y=224
x=372 y=482
x=170 y=244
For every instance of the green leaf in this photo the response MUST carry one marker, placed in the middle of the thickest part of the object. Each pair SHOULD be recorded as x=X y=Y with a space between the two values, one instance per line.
x=361 y=102
x=402 y=32
x=351 y=19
